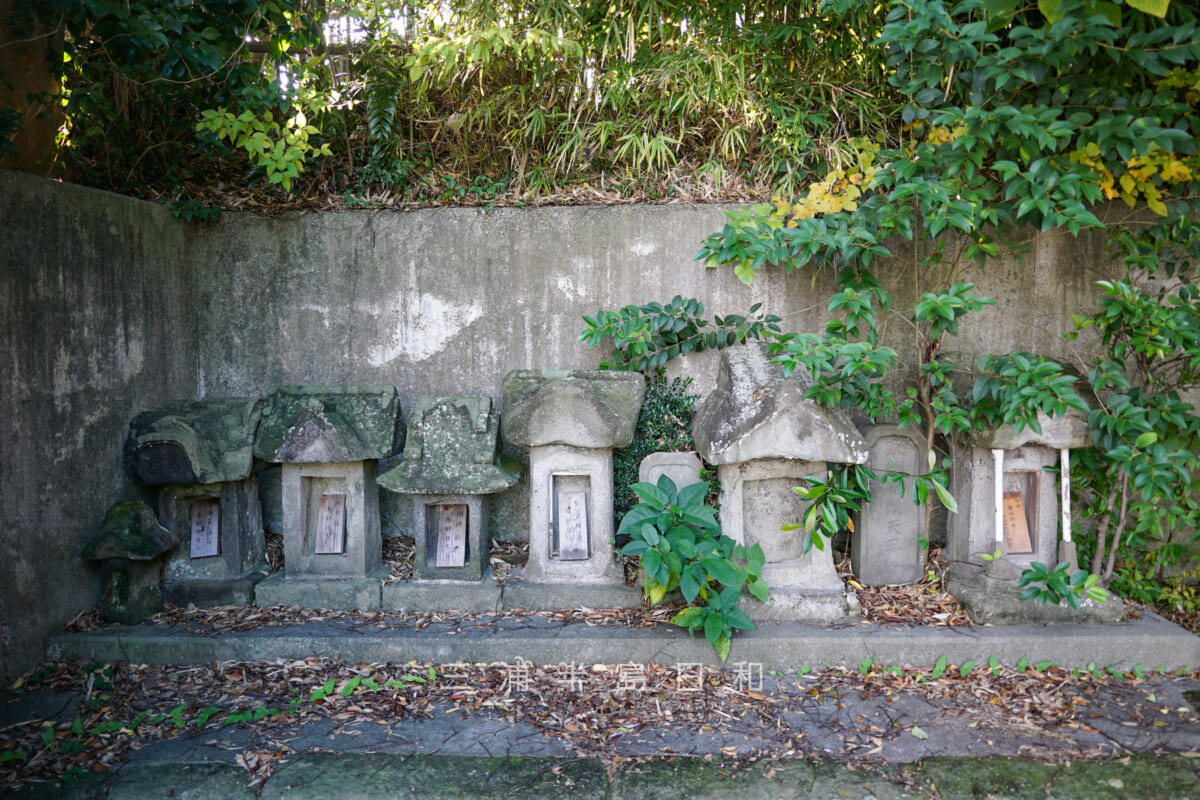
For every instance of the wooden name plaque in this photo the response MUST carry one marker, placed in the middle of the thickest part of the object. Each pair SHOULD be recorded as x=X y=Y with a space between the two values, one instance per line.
x=451 y=536
x=1016 y=527
x=206 y=527
x=331 y=525
x=572 y=525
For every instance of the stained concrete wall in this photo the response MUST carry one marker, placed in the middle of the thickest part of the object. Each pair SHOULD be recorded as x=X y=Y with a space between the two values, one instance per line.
x=109 y=306
x=96 y=324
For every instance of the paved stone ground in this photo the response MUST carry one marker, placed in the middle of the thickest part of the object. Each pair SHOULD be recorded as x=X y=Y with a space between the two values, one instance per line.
x=1138 y=740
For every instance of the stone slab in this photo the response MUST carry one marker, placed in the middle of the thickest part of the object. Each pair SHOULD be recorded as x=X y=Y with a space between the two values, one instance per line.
x=430 y=595
x=885 y=543
x=338 y=773
x=989 y=601
x=682 y=468
x=1150 y=641
x=336 y=593
x=182 y=782
x=800 y=606
x=667 y=779
x=370 y=776
x=529 y=596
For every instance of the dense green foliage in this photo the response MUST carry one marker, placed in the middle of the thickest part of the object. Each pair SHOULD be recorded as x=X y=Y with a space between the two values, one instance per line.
x=664 y=425
x=137 y=75
x=1015 y=116
x=468 y=100
x=681 y=547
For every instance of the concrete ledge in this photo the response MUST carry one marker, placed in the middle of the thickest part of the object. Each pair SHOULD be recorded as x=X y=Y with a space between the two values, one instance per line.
x=344 y=594
x=1150 y=641
x=351 y=776
x=521 y=595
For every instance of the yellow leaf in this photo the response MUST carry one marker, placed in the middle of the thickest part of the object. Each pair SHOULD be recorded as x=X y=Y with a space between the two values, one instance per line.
x=1156 y=8
x=656 y=591
x=1157 y=206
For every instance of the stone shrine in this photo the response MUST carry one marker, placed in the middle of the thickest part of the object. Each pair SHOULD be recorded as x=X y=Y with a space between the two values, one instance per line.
x=1010 y=511
x=329 y=439
x=451 y=464
x=885 y=544
x=201 y=454
x=571 y=421
x=765 y=437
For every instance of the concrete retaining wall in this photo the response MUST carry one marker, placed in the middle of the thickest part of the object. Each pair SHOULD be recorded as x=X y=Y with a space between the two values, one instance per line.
x=109 y=306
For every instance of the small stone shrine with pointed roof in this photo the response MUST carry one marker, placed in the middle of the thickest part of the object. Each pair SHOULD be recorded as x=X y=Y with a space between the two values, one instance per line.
x=765 y=437
x=452 y=462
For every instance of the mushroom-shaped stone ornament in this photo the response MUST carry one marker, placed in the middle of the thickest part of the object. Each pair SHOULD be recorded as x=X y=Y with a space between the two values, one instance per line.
x=129 y=547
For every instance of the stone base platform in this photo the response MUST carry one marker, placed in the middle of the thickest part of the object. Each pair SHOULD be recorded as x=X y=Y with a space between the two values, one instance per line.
x=235 y=591
x=528 y=596
x=335 y=593
x=1149 y=640
x=484 y=595
x=991 y=601
x=797 y=606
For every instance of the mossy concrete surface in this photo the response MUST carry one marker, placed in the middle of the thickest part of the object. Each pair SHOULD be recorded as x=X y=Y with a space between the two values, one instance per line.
x=350 y=776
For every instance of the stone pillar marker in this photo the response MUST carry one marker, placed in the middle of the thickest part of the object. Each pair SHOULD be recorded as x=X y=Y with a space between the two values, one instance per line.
x=329 y=439
x=452 y=462
x=571 y=421
x=765 y=437
x=884 y=546
x=1007 y=502
x=201 y=455
x=682 y=468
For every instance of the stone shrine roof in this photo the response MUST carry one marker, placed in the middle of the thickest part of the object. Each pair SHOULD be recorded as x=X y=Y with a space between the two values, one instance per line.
x=202 y=441
x=580 y=408
x=452 y=447
x=757 y=413
x=329 y=424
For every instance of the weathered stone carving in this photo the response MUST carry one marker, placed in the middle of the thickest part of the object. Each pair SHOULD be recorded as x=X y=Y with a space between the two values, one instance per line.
x=885 y=546
x=129 y=546
x=765 y=438
x=201 y=454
